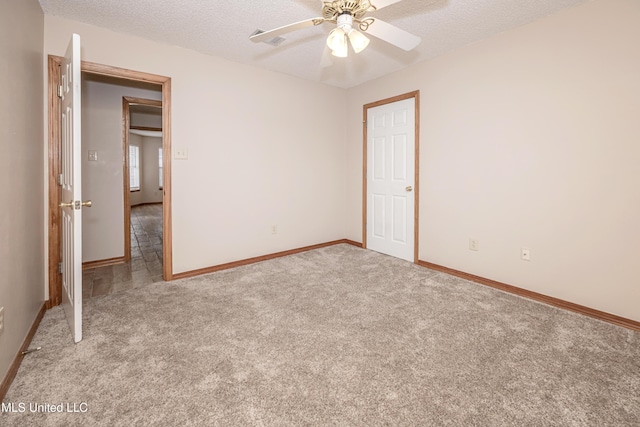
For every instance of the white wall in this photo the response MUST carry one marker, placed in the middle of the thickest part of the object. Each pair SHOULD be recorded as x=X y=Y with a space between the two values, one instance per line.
x=264 y=149
x=22 y=269
x=102 y=180
x=144 y=119
x=530 y=139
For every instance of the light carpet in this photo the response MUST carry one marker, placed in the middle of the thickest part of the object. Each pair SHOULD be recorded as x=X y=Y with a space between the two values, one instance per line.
x=334 y=336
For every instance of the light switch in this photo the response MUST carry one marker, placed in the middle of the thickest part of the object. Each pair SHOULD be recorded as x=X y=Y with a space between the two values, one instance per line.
x=181 y=154
x=93 y=156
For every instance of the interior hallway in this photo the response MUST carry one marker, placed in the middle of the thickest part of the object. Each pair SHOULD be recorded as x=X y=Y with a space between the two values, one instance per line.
x=146 y=257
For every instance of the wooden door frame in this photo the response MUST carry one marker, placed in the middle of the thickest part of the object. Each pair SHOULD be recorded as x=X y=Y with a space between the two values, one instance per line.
x=54 y=149
x=127 y=102
x=416 y=187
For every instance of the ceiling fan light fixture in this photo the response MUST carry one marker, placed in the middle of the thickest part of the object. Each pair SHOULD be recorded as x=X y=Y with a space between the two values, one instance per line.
x=345 y=14
x=337 y=42
x=358 y=40
x=337 y=39
x=342 y=51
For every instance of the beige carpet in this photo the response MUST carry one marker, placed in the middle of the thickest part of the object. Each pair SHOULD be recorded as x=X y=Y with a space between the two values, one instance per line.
x=336 y=336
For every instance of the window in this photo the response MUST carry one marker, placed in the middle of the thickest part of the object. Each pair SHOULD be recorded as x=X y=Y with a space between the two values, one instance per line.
x=134 y=168
x=160 y=167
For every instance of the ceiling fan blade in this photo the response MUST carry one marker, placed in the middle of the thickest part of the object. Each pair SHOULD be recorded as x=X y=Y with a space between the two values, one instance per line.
x=379 y=4
x=268 y=35
x=392 y=34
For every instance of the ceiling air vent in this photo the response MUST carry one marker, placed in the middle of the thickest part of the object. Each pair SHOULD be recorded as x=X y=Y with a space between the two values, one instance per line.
x=276 y=41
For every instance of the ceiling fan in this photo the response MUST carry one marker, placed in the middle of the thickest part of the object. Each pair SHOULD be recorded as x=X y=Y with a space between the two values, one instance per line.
x=349 y=16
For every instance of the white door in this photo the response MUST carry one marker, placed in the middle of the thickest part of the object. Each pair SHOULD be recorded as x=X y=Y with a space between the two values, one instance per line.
x=390 y=178
x=71 y=189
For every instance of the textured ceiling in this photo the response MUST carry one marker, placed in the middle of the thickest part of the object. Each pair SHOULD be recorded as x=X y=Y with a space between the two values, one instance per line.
x=222 y=27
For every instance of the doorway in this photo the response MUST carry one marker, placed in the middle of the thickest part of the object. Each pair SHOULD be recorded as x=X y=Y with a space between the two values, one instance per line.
x=142 y=172
x=391 y=176
x=164 y=83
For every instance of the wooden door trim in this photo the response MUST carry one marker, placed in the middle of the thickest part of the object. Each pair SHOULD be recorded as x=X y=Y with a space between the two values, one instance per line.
x=153 y=129
x=126 y=124
x=55 y=283
x=54 y=226
x=127 y=102
x=416 y=96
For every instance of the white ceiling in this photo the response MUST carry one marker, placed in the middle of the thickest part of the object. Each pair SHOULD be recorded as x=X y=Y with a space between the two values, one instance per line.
x=222 y=27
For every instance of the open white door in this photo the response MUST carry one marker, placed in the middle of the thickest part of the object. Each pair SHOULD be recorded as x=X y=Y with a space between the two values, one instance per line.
x=71 y=181
x=390 y=178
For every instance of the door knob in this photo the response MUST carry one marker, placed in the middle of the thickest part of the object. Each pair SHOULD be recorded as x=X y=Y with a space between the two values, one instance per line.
x=76 y=205
x=409 y=188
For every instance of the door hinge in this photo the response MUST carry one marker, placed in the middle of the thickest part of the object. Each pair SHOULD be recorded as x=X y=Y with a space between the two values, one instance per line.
x=59 y=91
x=60 y=267
x=60 y=179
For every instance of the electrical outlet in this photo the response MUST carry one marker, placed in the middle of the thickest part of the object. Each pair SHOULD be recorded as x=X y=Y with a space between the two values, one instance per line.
x=274 y=229
x=1 y=319
x=525 y=254
x=474 y=244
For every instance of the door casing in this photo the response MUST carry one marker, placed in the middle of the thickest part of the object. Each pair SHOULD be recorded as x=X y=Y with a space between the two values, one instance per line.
x=54 y=148
x=416 y=192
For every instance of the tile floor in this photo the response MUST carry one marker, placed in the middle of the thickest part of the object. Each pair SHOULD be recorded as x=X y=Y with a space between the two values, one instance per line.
x=146 y=257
